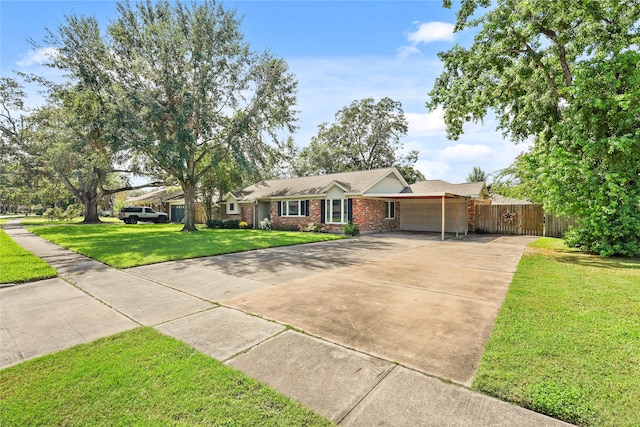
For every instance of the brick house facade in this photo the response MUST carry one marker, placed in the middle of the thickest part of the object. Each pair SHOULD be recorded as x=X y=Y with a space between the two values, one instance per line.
x=373 y=200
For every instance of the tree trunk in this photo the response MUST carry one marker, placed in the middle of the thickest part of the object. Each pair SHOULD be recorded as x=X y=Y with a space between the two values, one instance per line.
x=189 y=206
x=90 y=198
x=91 y=211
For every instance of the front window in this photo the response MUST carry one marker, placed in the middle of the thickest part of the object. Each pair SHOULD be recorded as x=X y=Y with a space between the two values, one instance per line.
x=232 y=208
x=337 y=211
x=293 y=208
x=389 y=210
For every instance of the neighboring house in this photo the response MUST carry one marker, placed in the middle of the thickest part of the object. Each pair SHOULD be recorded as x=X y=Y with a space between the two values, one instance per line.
x=172 y=203
x=375 y=200
x=154 y=199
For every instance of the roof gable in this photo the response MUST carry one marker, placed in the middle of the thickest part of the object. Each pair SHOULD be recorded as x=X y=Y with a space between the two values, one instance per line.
x=391 y=182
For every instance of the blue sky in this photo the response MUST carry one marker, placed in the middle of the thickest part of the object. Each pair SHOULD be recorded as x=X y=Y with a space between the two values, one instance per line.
x=340 y=51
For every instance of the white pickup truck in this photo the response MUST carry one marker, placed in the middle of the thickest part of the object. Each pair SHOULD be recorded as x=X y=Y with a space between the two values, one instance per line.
x=133 y=214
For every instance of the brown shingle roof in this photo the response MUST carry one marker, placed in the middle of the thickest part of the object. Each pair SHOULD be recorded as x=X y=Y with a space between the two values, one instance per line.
x=354 y=182
x=151 y=196
x=470 y=189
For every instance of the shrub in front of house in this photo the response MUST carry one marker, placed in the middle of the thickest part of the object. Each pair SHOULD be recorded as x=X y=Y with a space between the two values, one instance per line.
x=350 y=229
x=312 y=227
x=231 y=224
x=214 y=223
x=244 y=225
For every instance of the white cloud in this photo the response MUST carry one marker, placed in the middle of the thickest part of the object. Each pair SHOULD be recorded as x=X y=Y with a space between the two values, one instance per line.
x=465 y=152
x=426 y=124
x=428 y=32
x=39 y=56
x=433 y=169
x=406 y=51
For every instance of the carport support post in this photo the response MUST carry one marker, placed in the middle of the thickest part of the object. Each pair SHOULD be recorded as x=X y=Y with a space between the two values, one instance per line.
x=457 y=214
x=442 y=237
x=466 y=216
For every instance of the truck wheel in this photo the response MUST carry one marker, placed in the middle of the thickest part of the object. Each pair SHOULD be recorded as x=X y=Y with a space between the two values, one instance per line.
x=133 y=220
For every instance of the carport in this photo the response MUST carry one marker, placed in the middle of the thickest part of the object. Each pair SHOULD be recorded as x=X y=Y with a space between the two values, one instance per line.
x=436 y=212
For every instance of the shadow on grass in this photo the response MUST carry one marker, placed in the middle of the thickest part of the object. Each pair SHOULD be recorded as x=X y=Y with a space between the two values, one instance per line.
x=596 y=261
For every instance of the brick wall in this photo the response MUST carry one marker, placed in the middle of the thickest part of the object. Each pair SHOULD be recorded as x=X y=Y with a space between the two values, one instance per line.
x=472 y=213
x=369 y=215
x=297 y=222
x=246 y=214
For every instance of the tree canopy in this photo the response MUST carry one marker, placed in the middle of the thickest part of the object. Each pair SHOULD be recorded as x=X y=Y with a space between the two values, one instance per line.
x=184 y=87
x=566 y=76
x=365 y=135
x=477 y=175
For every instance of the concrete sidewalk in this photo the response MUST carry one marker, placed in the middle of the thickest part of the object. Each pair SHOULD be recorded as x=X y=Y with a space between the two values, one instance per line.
x=185 y=300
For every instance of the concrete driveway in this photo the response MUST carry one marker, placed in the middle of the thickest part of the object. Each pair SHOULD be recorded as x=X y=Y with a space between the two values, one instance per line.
x=403 y=297
x=409 y=298
x=425 y=304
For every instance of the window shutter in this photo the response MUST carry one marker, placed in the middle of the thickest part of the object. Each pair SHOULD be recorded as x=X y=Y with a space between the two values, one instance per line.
x=350 y=209
x=306 y=208
x=322 y=211
x=279 y=208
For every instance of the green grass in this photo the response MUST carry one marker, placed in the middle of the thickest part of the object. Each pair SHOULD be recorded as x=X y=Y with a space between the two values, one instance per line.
x=18 y=265
x=567 y=339
x=125 y=246
x=140 y=377
x=40 y=220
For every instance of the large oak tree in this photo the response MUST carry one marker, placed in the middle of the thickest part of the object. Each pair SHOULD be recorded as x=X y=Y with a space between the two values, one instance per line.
x=185 y=88
x=70 y=143
x=566 y=76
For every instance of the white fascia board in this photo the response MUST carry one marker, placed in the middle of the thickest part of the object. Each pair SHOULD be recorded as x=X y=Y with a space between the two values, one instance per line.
x=332 y=184
x=298 y=197
x=226 y=196
x=413 y=195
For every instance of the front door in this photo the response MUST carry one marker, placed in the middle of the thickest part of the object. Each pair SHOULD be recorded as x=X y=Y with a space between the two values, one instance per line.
x=264 y=211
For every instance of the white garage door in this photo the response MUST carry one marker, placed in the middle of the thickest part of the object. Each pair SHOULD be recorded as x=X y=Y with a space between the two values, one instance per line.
x=426 y=215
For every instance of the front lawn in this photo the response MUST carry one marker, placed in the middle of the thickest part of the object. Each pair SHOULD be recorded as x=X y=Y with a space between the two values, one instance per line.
x=125 y=246
x=567 y=339
x=18 y=265
x=41 y=220
x=140 y=377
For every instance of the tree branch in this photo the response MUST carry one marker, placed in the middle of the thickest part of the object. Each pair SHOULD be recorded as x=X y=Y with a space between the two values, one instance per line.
x=568 y=80
x=132 y=187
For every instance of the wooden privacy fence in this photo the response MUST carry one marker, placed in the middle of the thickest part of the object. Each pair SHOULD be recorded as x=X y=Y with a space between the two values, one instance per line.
x=528 y=220
x=556 y=226
x=525 y=220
